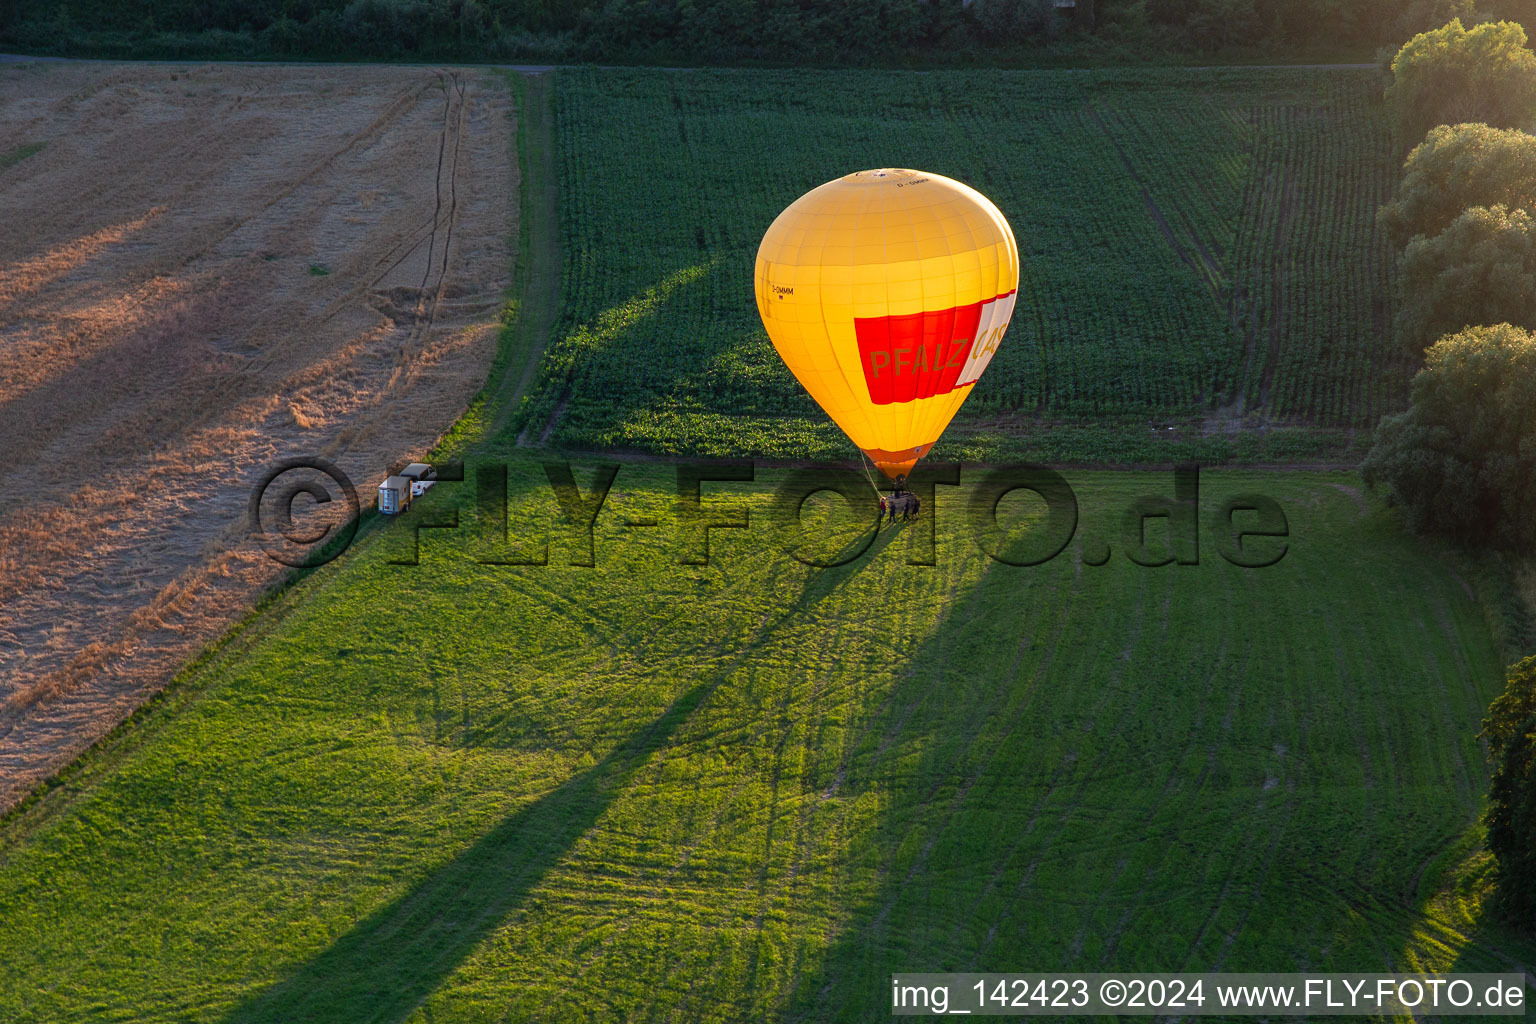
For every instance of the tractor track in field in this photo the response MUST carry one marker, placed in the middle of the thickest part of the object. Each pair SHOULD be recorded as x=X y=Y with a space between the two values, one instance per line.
x=239 y=290
x=539 y=263
x=891 y=890
x=423 y=315
x=211 y=402
x=764 y=633
x=1084 y=777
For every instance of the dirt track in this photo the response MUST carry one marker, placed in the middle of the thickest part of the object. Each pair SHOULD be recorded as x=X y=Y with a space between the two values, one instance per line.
x=204 y=270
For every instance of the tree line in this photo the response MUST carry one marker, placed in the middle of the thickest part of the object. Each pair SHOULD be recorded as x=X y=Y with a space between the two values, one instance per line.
x=1461 y=460
x=776 y=32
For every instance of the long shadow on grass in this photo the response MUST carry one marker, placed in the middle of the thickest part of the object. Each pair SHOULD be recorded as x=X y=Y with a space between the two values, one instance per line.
x=1006 y=735
x=861 y=552
x=1128 y=768
x=929 y=701
x=388 y=963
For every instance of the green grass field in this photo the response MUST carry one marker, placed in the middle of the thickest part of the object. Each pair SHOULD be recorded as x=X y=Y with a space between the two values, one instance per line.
x=468 y=790
x=1199 y=252
x=751 y=790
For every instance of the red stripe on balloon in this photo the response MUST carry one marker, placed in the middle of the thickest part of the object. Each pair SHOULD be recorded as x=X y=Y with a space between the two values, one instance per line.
x=915 y=355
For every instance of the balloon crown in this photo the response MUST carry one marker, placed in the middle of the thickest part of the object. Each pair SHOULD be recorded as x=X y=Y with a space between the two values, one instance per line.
x=877 y=174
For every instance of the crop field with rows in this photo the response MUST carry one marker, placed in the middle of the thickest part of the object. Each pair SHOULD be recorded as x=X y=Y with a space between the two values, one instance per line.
x=1199 y=250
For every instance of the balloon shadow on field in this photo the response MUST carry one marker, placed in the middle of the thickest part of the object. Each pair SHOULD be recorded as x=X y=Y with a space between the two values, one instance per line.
x=388 y=963
x=926 y=701
x=856 y=556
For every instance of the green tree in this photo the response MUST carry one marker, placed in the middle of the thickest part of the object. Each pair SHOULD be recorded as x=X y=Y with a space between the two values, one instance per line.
x=1424 y=15
x=1014 y=21
x=1458 y=167
x=1510 y=730
x=1208 y=24
x=1462 y=459
x=1452 y=75
x=1480 y=270
x=1523 y=11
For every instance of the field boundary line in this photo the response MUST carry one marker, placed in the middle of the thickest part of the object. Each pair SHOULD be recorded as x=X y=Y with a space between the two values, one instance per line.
x=536 y=277
x=36 y=806
x=538 y=69
x=642 y=456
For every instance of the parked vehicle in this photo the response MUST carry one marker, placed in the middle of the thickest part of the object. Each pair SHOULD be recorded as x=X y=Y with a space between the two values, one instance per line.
x=422 y=477
x=398 y=490
x=395 y=495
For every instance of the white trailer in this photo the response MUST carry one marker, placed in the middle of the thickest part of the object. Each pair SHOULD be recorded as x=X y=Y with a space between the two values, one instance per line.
x=398 y=491
x=395 y=495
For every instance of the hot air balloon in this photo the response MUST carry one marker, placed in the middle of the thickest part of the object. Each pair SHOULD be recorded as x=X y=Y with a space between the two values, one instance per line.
x=886 y=293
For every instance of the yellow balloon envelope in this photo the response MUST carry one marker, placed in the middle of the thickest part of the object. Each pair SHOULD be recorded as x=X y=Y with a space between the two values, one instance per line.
x=886 y=293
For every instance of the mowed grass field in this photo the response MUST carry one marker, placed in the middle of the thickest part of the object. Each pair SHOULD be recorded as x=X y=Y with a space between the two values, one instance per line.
x=1202 y=276
x=751 y=790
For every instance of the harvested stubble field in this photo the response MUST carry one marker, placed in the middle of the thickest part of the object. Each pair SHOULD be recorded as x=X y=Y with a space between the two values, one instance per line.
x=203 y=270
